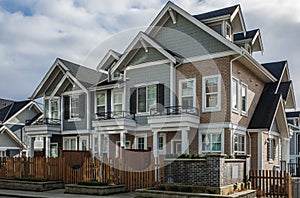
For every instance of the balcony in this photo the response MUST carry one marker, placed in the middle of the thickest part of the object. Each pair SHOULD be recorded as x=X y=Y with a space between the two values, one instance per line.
x=45 y=126
x=174 y=118
x=114 y=121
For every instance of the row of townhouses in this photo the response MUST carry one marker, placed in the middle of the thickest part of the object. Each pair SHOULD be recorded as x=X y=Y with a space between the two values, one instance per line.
x=187 y=84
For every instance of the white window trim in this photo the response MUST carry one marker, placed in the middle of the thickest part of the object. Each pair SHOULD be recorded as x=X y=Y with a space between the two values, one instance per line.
x=271 y=137
x=172 y=145
x=80 y=142
x=236 y=110
x=226 y=24
x=211 y=131
x=121 y=91
x=95 y=101
x=240 y=133
x=118 y=142
x=56 y=144
x=58 y=106
x=136 y=140
x=70 y=108
x=69 y=139
x=147 y=112
x=180 y=90
x=244 y=113
x=164 y=150
x=211 y=109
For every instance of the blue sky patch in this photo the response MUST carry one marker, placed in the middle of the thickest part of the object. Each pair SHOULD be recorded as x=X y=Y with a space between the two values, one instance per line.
x=13 y=6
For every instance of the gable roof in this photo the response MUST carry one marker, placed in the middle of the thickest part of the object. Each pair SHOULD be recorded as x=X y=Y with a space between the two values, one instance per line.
x=110 y=57
x=241 y=36
x=252 y=36
x=275 y=68
x=284 y=88
x=13 y=136
x=10 y=110
x=217 y=13
x=5 y=102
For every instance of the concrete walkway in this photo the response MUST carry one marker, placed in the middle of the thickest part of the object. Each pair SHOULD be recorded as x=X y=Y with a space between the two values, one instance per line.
x=55 y=194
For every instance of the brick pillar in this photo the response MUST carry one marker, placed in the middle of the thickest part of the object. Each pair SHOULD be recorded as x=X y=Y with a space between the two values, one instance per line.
x=215 y=168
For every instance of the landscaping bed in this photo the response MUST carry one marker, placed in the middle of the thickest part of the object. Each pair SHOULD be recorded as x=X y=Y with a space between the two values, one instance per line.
x=93 y=188
x=30 y=184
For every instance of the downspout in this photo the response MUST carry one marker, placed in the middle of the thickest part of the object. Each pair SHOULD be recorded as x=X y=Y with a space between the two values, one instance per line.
x=230 y=104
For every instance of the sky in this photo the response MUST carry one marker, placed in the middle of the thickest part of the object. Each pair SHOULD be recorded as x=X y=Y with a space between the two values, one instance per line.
x=33 y=33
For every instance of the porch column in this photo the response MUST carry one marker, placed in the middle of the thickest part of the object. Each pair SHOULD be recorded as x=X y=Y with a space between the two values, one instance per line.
x=122 y=139
x=155 y=144
x=31 y=151
x=47 y=148
x=184 y=142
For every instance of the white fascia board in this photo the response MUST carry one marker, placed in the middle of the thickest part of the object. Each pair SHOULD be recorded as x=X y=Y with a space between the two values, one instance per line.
x=238 y=11
x=58 y=86
x=194 y=21
x=68 y=74
x=110 y=53
x=48 y=74
x=139 y=36
x=13 y=136
x=20 y=111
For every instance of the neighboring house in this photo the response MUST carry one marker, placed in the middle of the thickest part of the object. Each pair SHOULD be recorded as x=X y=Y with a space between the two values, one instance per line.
x=293 y=122
x=188 y=84
x=13 y=115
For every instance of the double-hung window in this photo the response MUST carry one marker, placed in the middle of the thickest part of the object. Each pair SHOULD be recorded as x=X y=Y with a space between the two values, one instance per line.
x=211 y=86
x=212 y=143
x=239 y=143
x=100 y=103
x=74 y=106
x=235 y=95
x=117 y=102
x=244 y=99
x=271 y=149
x=70 y=143
x=187 y=93
x=141 y=142
x=54 y=109
x=146 y=98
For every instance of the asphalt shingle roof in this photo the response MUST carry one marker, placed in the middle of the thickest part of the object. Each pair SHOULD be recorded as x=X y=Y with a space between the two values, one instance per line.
x=249 y=35
x=4 y=103
x=275 y=68
x=86 y=76
x=216 y=13
x=10 y=110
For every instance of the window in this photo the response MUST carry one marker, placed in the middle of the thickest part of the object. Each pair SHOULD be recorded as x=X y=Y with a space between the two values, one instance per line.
x=54 y=150
x=70 y=143
x=54 y=109
x=187 y=93
x=239 y=143
x=96 y=145
x=74 y=106
x=244 y=99
x=228 y=31
x=100 y=102
x=117 y=102
x=176 y=145
x=162 y=143
x=271 y=149
x=211 y=143
x=2 y=153
x=212 y=93
x=83 y=143
x=146 y=98
x=141 y=142
x=235 y=95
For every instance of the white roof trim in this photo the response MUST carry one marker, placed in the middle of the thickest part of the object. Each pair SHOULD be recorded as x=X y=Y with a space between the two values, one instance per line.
x=58 y=86
x=110 y=53
x=13 y=136
x=146 y=38
x=68 y=74
x=193 y=20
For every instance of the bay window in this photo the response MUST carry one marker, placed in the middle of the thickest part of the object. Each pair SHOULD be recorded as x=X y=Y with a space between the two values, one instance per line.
x=211 y=86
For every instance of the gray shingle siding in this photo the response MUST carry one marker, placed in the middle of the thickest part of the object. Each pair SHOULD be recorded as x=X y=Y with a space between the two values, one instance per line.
x=188 y=40
x=144 y=57
x=157 y=73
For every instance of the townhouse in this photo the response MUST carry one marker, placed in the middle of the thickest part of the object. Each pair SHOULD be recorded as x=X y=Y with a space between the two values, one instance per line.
x=13 y=116
x=188 y=84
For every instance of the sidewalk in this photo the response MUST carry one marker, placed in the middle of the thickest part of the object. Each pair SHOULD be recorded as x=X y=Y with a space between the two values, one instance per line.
x=56 y=194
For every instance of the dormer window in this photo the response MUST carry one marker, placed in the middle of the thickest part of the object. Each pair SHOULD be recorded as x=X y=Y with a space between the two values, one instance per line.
x=228 y=31
x=248 y=48
x=117 y=75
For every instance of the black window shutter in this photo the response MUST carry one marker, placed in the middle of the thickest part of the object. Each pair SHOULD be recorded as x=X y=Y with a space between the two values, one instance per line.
x=160 y=97
x=133 y=100
x=108 y=99
x=67 y=107
x=82 y=105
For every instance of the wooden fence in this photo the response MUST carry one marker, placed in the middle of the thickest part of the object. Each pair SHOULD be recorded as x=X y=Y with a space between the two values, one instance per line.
x=109 y=171
x=272 y=183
